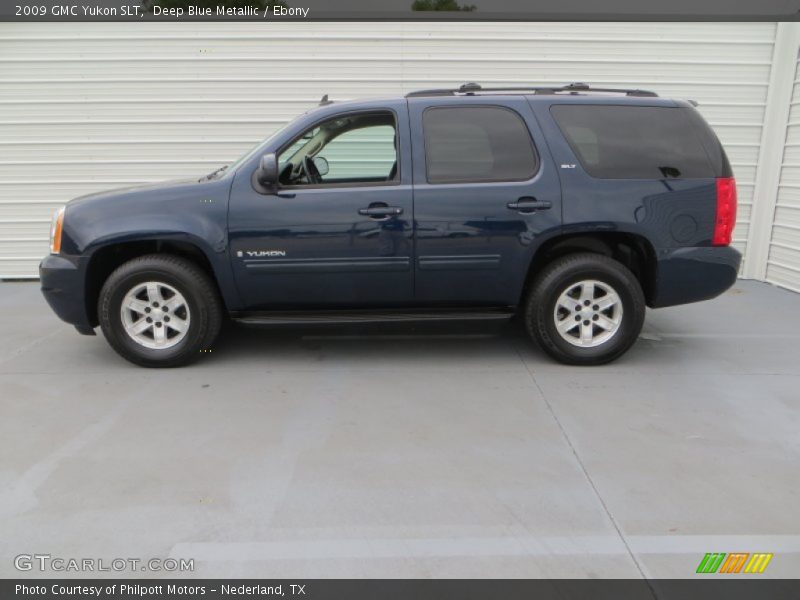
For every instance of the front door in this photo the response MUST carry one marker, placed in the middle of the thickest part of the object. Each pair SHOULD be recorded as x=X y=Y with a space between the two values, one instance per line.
x=337 y=233
x=485 y=190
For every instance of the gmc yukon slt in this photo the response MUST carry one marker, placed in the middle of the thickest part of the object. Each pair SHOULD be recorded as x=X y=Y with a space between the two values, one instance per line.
x=571 y=207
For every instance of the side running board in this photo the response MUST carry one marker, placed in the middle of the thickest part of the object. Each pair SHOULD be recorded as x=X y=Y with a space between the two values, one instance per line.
x=370 y=316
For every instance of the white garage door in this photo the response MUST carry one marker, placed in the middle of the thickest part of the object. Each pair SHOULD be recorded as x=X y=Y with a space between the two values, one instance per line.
x=783 y=264
x=86 y=107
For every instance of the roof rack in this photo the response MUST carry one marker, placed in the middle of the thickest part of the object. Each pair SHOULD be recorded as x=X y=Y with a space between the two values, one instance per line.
x=470 y=89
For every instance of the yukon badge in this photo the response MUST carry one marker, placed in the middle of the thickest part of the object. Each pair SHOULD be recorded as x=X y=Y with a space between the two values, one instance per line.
x=261 y=253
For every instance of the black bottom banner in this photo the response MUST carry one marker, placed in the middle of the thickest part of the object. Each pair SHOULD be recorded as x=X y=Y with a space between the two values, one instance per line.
x=405 y=589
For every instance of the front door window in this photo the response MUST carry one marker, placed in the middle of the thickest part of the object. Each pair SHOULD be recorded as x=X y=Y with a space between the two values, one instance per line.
x=358 y=149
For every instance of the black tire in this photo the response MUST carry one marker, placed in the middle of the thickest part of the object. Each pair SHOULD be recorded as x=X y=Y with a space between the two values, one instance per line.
x=558 y=277
x=190 y=281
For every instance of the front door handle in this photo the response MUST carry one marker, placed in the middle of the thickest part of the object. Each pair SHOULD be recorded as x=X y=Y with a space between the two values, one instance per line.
x=380 y=211
x=526 y=204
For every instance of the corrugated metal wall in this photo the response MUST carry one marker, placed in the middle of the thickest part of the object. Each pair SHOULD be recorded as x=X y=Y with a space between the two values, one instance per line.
x=783 y=264
x=86 y=107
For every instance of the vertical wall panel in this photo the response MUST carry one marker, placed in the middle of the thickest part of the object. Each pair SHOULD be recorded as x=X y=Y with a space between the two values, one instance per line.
x=783 y=264
x=86 y=107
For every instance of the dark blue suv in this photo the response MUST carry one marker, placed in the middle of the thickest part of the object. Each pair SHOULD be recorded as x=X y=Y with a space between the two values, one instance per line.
x=572 y=207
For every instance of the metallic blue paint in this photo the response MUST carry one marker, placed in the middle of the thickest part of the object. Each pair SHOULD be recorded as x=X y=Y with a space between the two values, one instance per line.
x=693 y=274
x=670 y=214
x=341 y=258
x=63 y=287
x=453 y=245
x=463 y=226
x=188 y=212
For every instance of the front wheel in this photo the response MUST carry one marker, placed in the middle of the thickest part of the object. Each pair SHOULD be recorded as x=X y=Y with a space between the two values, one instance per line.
x=159 y=311
x=585 y=309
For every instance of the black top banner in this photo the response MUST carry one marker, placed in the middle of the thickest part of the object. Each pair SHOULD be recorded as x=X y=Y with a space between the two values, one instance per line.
x=399 y=10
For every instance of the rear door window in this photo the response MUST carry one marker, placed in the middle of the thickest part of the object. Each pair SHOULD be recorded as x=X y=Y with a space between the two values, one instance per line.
x=634 y=142
x=477 y=143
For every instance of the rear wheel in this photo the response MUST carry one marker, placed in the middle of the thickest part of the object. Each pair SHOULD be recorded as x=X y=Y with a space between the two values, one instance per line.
x=585 y=309
x=159 y=311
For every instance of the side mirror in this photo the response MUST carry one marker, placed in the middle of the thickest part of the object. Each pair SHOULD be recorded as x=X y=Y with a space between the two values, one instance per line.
x=265 y=177
x=322 y=165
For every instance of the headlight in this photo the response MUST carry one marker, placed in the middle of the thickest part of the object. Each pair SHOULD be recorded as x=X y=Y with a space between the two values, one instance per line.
x=55 y=231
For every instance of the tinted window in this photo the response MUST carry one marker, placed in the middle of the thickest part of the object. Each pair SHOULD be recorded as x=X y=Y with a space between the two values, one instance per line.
x=477 y=143
x=716 y=154
x=634 y=142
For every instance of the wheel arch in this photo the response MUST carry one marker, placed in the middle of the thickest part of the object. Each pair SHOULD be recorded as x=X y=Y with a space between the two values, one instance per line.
x=632 y=250
x=106 y=258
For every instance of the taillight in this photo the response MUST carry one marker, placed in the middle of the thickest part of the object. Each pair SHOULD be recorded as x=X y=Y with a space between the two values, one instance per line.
x=726 y=211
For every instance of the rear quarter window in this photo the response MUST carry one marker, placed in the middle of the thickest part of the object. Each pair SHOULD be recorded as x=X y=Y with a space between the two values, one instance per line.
x=636 y=142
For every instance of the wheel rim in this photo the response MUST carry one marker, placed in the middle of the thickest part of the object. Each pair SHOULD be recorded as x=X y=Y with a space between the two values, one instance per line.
x=588 y=313
x=155 y=315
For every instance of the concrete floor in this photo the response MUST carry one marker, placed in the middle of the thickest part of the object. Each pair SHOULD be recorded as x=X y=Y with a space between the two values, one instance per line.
x=438 y=454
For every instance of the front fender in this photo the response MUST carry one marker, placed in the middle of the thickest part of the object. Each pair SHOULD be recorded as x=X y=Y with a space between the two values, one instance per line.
x=217 y=257
x=193 y=212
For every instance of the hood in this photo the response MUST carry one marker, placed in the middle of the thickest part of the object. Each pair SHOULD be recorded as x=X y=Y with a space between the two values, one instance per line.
x=145 y=212
x=144 y=190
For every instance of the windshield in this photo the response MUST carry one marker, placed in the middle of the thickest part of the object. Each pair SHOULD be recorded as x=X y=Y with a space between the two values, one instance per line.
x=247 y=155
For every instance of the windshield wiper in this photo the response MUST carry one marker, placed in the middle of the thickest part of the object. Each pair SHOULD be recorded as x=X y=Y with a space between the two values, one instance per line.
x=214 y=174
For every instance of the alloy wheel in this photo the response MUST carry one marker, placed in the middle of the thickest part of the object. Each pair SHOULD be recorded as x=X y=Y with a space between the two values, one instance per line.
x=155 y=315
x=588 y=313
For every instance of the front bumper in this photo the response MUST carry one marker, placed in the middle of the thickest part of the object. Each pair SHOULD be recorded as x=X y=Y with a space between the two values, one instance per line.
x=693 y=274
x=63 y=285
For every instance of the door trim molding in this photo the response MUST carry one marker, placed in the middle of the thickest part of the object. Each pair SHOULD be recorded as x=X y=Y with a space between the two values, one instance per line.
x=329 y=265
x=461 y=262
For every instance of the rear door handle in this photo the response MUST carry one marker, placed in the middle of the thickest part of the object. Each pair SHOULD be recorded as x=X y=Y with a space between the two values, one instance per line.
x=377 y=212
x=528 y=204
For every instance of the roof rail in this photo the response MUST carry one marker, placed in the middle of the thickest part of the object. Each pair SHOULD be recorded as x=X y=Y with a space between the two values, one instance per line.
x=470 y=89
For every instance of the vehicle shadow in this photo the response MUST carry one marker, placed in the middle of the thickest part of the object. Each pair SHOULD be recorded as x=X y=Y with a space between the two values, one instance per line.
x=441 y=345
x=438 y=344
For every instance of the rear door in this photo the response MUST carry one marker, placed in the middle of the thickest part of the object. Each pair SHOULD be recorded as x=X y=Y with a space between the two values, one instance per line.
x=485 y=190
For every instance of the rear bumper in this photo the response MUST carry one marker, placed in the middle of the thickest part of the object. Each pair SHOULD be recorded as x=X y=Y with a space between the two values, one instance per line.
x=693 y=274
x=63 y=286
